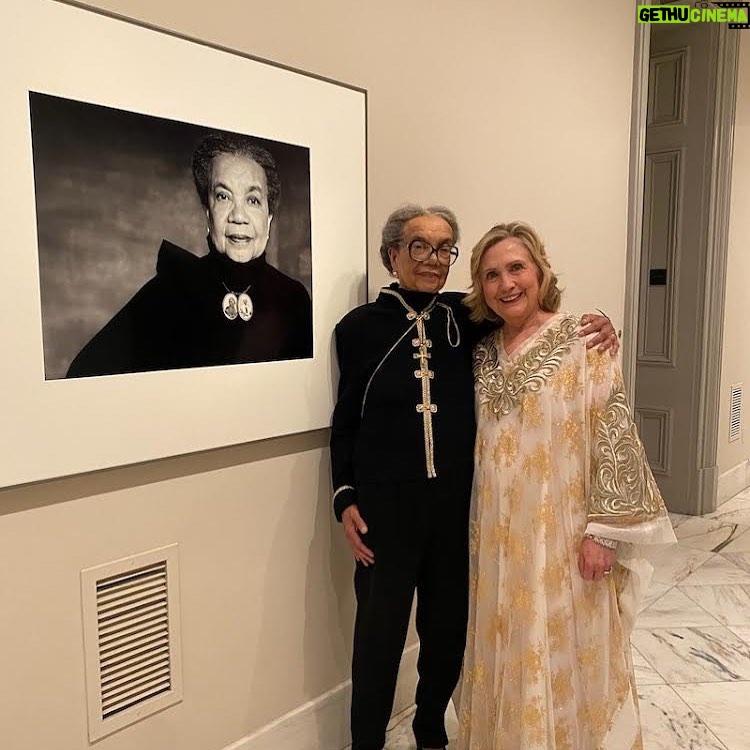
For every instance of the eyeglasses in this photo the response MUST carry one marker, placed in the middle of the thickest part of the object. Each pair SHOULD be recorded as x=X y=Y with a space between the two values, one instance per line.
x=421 y=250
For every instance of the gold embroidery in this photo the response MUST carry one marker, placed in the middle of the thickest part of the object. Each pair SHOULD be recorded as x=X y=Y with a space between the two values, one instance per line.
x=545 y=514
x=474 y=538
x=562 y=688
x=506 y=448
x=562 y=737
x=570 y=431
x=566 y=382
x=532 y=662
x=577 y=489
x=623 y=489
x=479 y=674
x=533 y=717
x=518 y=547
x=499 y=535
x=553 y=576
x=538 y=464
x=480 y=447
x=499 y=389
x=522 y=603
x=588 y=657
x=531 y=410
x=513 y=495
x=485 y=495
x=598 y=365
x=557 y=630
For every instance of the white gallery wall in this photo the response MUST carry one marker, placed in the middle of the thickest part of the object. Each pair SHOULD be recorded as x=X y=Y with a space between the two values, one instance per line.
x=500 y=110
x=733 y=456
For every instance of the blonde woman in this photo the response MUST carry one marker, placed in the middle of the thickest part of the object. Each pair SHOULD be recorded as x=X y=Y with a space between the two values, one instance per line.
x=564 y=507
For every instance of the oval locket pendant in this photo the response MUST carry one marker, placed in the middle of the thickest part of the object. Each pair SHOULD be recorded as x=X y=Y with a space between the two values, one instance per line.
x=245 y=306
x=229 y=306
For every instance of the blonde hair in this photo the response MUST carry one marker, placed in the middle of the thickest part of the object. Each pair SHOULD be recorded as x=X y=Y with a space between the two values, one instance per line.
x=549 y=292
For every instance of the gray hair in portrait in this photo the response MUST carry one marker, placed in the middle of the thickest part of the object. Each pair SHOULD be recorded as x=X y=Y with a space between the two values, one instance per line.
x=393 y=231
x=238 y=145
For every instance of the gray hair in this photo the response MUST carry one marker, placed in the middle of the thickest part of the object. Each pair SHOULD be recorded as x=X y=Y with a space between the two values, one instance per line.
x=393 y=231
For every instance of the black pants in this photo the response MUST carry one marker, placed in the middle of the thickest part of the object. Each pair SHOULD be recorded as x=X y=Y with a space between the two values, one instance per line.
x=419 y=534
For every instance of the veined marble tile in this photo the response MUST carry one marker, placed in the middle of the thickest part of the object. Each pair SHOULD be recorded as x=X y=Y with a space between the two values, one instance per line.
x=740 y=559
x=401 y=737
x=674 y=563
x=669 y=724
x=736 y=510
x=723 y=709
x=673 y=610
x=404 y=717
x=709 y=534
x=730 y=605
x=739 y=544
x=721 y=571
x=741 y=632
x=678 y=518
x=645 y=674
x=687 y=655
x=655 y=591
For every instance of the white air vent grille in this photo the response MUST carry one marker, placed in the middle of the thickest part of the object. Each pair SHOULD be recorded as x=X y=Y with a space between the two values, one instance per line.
x=133 y=619
x=735 y=412
x=131 y=633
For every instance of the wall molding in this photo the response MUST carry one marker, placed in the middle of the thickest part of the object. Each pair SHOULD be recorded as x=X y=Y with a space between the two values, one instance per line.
x=662 y=418
x=675 y=62
x=323 y=723
x=663 y=355
x=733 y=481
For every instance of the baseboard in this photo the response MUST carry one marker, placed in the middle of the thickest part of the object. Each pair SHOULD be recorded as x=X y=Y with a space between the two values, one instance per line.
x=323 y=723
x=733 y=481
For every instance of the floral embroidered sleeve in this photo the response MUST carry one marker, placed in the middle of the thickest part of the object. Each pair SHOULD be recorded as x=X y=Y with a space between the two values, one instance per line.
x=623 y=498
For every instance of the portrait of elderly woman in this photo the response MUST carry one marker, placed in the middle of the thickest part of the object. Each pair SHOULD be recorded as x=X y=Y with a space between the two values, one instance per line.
x=215 y=204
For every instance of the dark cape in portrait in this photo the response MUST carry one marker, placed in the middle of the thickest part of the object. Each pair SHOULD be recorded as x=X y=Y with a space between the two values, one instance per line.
x=176 y=319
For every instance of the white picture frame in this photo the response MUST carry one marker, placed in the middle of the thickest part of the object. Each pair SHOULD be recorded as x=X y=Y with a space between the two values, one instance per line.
x=54 y=428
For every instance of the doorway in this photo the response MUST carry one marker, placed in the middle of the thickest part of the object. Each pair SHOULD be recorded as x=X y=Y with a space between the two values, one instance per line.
x=681 y=149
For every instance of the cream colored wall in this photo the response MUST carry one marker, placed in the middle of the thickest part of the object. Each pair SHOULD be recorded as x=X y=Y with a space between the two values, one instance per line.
x=501 y=110
x=735 y=360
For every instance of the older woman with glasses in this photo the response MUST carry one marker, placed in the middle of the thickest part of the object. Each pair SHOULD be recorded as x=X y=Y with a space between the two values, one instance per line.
x=402 y=445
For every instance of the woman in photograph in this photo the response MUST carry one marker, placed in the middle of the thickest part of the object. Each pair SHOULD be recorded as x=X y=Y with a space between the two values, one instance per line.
x=228 y=307
x=564 y=508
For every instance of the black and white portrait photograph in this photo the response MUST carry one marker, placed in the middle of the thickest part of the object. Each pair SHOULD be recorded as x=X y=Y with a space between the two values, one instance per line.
x=166 y=245
x=188 y=223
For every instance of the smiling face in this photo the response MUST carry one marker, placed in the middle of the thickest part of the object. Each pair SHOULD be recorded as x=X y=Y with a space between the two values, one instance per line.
x=238 y=219
x=427 y=275
x=510 y=281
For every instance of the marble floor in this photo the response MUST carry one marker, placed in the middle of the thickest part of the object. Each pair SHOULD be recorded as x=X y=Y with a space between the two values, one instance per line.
x=691 y=645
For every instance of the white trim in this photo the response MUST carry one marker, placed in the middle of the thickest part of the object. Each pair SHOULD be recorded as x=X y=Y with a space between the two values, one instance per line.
x=714 y=290
x=733 y=481
x=323 y=723
x=635 y=204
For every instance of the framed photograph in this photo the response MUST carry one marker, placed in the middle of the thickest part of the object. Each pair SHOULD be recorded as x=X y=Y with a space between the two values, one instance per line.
x=187 y=225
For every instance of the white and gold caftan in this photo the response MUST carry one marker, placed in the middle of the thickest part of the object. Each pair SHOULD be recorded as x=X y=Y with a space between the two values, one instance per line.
x=547 y=663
